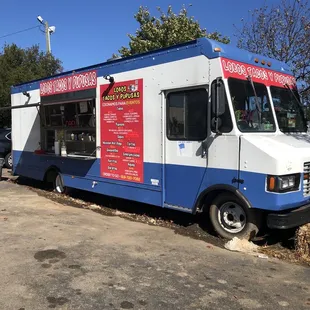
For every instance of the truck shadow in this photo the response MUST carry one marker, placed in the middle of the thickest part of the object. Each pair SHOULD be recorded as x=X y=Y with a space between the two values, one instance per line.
x=196 y=226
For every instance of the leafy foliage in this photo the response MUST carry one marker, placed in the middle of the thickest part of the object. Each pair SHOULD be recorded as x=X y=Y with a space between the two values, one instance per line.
x=281 y=32
x=21 y=65
x=166 y=30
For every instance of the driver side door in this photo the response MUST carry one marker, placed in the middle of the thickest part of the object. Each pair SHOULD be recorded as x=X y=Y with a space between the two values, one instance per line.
x=185 y=163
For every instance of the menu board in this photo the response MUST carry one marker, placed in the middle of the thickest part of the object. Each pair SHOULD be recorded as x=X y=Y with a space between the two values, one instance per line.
x=122 y=131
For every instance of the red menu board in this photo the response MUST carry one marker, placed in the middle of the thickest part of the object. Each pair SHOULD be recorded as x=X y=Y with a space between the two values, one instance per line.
x=122 y=131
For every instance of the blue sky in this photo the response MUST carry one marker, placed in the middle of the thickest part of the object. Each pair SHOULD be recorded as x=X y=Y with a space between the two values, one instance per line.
x=89 y=32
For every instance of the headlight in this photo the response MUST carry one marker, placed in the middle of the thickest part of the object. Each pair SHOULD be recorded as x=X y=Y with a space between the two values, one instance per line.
x=285 y=183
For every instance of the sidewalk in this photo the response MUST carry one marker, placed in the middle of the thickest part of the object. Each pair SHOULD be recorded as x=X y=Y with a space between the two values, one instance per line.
x=55 y=256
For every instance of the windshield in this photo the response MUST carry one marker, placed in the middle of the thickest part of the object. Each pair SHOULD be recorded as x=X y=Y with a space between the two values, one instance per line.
x=288 y=110
x=251 y=106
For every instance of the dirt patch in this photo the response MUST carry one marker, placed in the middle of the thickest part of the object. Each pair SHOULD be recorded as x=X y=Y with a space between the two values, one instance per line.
x=48 y=254
x=276 y=244
x=303 y=243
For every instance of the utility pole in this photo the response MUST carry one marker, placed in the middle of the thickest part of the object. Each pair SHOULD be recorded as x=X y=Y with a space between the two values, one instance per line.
x=48 y=38
x=48 y=31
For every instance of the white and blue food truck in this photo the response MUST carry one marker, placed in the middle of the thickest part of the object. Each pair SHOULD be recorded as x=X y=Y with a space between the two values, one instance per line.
x=201 y=126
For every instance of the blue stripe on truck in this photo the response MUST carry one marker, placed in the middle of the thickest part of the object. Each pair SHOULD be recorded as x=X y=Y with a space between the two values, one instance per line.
x=183 y=184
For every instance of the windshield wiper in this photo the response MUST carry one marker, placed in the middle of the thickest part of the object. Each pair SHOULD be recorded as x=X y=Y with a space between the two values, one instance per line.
x=256 y=99
x=255 y=94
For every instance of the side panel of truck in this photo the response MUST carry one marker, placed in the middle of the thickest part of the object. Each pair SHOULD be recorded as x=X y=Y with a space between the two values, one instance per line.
x=85 y=174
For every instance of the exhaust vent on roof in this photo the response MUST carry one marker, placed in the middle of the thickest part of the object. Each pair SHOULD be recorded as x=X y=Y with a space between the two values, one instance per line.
x=114 y=58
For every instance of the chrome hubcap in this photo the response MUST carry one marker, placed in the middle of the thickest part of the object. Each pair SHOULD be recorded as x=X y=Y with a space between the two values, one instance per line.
x=232 y=217
x=59 y=184
x=10 y=161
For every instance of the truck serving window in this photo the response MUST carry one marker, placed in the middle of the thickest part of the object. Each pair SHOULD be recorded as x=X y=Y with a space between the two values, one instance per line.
x=73 y=124
x=187 y=115
x=251 y=106
x=288 y=110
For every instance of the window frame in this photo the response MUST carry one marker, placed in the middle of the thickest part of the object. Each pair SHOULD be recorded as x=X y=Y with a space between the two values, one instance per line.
x=269 y=102
x=273 y=88
x=45 y=129
x=204 y=87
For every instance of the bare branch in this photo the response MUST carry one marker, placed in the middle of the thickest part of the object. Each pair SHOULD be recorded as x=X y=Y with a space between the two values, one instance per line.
x=282 y=32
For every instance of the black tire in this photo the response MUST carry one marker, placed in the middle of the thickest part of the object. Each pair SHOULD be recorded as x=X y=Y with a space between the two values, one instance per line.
x=8 y=163
x=226 y=224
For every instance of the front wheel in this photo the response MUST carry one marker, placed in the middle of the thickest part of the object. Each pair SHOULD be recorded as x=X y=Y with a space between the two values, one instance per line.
x=230 y=218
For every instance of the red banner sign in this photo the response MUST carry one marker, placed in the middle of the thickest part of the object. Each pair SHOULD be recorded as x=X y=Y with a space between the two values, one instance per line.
x=268 y=77
x=70 y=83
x=122 y=131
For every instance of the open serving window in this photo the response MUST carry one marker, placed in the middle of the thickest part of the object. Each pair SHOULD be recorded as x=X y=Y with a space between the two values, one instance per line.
x=72 y=125
x=68 y=115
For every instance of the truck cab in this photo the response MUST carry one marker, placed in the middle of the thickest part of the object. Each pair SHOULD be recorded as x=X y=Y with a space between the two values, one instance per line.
x=270 y=129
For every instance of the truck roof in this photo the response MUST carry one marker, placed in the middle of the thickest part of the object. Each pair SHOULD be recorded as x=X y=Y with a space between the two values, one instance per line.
x=201 y=46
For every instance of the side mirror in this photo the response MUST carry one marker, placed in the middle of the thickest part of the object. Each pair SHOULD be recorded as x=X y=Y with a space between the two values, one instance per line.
x=218 y=103
x=218 y=98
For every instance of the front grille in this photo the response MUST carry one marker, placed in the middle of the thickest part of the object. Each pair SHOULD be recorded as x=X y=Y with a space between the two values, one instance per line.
x=306 y=182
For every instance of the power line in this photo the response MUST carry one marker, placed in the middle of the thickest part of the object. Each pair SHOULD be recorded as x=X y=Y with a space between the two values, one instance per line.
x=20 y=31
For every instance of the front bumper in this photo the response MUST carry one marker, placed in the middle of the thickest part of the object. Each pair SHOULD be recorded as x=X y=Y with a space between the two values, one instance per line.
x=289 y=219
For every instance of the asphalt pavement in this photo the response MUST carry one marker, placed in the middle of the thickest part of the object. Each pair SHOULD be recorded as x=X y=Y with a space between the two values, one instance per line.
x=56 y=256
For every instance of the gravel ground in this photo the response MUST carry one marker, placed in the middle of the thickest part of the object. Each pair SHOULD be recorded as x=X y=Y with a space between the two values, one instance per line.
x=57 y=256
x=277 y=244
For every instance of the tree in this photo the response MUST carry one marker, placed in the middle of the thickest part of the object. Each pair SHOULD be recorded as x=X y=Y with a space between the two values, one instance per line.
x=21 y=65
x=165 y=30
x=281 y=32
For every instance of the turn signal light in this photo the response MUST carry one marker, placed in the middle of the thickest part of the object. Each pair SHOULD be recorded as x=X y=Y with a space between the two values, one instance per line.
x=272 y=183
x=217 y=49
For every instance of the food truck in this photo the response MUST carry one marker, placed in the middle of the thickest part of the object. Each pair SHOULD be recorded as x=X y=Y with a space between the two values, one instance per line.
x=197 y=127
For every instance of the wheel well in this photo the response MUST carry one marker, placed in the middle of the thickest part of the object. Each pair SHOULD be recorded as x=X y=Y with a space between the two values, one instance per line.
x=208 y=197
x=205 y=198
x=50 y=174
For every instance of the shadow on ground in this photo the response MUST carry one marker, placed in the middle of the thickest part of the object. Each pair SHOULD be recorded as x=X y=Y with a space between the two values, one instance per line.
x=279 y=244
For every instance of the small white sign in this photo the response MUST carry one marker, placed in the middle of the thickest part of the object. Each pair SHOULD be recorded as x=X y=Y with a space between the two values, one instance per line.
x=185 y=148
x=155 y=182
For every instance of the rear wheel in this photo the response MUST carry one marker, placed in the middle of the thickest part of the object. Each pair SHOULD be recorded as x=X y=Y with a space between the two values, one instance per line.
x=231 y=218
x=59 y=184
